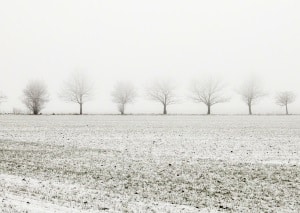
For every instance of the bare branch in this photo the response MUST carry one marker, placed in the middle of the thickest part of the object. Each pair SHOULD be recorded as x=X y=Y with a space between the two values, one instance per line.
x=284 y=98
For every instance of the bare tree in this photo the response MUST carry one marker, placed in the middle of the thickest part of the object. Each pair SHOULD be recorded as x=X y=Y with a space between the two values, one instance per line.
x=123 y=94
x=77 y=90
x=2 y=97
x=251 y=93
x=35 y=96
x=209 y=93
x=162 y=92
x=285 y=98
x=17 y=111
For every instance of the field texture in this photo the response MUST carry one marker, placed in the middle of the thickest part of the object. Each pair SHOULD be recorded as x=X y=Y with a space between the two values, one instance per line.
x=149 y=163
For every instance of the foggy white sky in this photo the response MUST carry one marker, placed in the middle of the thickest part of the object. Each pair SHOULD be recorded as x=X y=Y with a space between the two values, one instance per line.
x=144 y=40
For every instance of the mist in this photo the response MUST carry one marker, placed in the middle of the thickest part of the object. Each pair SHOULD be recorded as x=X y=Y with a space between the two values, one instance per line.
x=141 y=42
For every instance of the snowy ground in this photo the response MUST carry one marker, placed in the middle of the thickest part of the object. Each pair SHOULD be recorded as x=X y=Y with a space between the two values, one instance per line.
x=149 y=163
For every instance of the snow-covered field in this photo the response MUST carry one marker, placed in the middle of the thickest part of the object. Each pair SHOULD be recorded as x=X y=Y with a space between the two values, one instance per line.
x=149 y=163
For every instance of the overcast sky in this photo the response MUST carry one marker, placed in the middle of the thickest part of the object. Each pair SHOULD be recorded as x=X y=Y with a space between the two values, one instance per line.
x=141 y=41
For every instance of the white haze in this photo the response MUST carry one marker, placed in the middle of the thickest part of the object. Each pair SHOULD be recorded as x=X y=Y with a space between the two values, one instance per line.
x=140 y=41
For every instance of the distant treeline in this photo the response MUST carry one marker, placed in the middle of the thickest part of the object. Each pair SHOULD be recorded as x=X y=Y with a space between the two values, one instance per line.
x=210 y=92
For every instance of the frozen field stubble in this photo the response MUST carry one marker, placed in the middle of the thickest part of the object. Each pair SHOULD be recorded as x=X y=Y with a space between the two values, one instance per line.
x=160 y=163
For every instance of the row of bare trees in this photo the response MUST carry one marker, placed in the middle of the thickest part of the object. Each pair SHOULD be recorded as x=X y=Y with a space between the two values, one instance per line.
x=79 y=90
x=211 y=93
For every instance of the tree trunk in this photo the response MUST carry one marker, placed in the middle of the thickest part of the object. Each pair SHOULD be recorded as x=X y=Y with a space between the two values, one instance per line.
x=208 y=109
x=122 y=109
x=286 y=109
x=80 y=112
x=35 y=112
x=165 y=109
x=250 y=109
